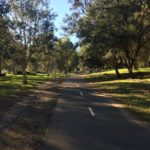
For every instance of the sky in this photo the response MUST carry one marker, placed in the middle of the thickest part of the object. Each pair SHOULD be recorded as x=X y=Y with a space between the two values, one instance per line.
x=61 y=7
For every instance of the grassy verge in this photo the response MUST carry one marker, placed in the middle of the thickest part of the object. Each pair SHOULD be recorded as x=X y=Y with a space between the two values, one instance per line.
x=11 y=88
x=134 y=93
x=29 y=126
x=13 y=84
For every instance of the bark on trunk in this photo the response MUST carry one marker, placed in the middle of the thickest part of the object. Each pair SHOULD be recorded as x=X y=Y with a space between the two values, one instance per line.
x=130 y=70
x=116 y=66
x=130 y=65
x=135 y=66
x=117 y=72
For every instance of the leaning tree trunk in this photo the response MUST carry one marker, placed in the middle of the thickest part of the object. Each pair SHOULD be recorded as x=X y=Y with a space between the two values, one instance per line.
x=117 y=72
x=116 y=66
x=129 y=64
x=130 y=70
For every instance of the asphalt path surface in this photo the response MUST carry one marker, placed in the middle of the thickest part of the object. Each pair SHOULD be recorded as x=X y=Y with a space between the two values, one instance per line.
x=84 y=121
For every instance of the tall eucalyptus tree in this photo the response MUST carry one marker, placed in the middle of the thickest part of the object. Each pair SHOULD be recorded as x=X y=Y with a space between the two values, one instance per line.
x=4 y=10
x=28 y=18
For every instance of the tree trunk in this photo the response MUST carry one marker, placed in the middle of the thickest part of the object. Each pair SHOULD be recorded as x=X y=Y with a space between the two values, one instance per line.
x=116 y=66
x=24 y=74
x=36 y=67
x=0 y=63
x=55 y=71
x=135 y=66
x=13 y=68
x=146 y=64
x=117 y=72
x=48 y=67
x=66 y=69
x=130 y=70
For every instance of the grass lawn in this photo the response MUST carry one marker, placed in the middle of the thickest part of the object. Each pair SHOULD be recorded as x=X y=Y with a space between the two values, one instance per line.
x=134 y=93
x=12 y=89
x=13 y=84
x=27 y=129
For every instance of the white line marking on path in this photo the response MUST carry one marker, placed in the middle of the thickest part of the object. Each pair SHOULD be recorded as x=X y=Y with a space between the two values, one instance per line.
x=91 y=111
x=81 y=93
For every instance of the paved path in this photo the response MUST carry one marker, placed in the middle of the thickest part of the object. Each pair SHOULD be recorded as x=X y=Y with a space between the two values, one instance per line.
x=83 y=121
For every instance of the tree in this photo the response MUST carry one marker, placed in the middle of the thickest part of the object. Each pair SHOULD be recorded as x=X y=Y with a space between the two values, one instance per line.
x=28 y=18
x=4 y=38
x=117 y=26
x=46 y=40
x=64 y=51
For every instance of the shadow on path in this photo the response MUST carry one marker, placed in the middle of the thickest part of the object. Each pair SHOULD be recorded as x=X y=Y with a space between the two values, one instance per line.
x=73 y=127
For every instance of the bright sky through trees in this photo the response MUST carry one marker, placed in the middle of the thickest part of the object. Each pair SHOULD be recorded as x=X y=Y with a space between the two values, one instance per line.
x=61 y=7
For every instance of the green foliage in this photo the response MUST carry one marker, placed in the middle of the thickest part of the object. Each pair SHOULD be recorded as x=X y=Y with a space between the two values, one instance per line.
x=66 y=55
x=120 y=28
x=28 y=31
